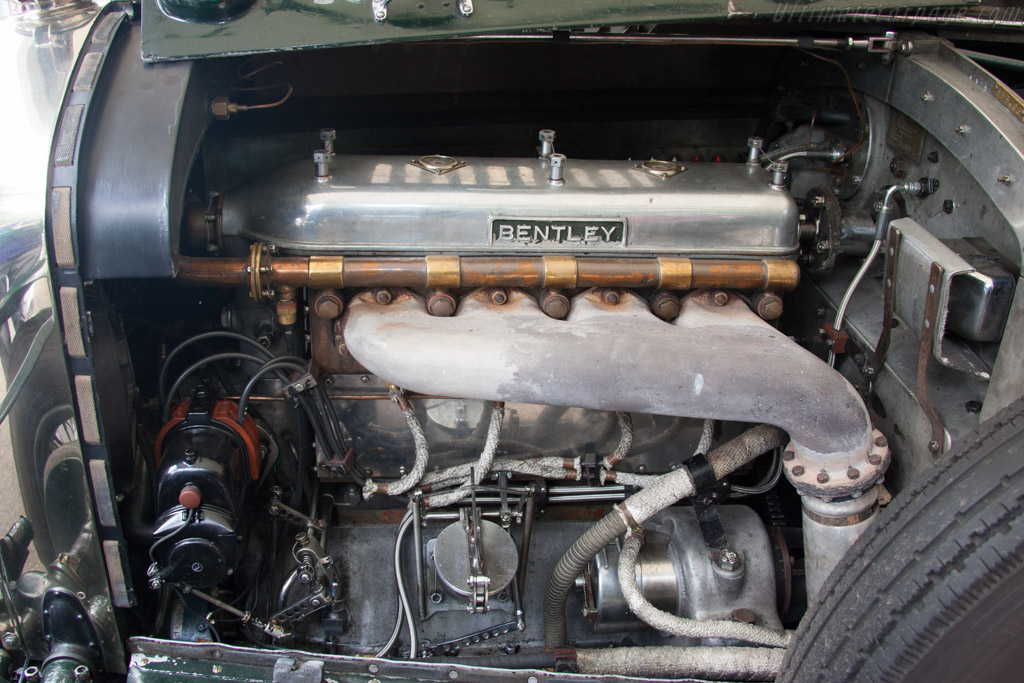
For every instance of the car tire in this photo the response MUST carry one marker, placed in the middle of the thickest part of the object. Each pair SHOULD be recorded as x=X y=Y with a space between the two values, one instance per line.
x=934 y=590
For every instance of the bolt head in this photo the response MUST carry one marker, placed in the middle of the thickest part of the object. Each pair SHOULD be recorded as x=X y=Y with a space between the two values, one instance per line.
x=555 y=305
x=383 y=296
x=328 y=306
x=10 y=641
x=546 y=135
x=610 y=297
x=798 y=470
x=721 y=298
x=853 y=473
x=875 y=459
x=822 y=477
x=788 y=455
x=499 y=297
x=441 y=305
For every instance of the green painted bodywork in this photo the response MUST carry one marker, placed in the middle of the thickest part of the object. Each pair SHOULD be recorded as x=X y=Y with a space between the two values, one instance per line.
x=272 y=25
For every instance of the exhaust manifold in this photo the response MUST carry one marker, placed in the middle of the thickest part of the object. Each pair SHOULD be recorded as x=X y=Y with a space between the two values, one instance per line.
x=716 y=360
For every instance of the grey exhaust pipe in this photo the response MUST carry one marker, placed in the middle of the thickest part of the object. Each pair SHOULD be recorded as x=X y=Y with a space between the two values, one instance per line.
x=717 y=360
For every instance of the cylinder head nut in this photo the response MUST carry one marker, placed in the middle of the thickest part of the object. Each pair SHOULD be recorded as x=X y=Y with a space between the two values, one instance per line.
x=778 y=169
x=322 y=163
x=547 y=143
x=441 y=304
x=754 y=147
x=556 y=175
x=328 y=136
x=328 y=304
x=554 y=304
x=720 y=298
x=611 y=297
x=383 y=296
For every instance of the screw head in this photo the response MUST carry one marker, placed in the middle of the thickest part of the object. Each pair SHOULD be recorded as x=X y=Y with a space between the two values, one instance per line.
x=949 y=206
x=197 y=567
x=927 y=97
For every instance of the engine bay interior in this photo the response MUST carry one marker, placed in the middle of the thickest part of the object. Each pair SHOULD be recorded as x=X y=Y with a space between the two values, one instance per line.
x=522 y=353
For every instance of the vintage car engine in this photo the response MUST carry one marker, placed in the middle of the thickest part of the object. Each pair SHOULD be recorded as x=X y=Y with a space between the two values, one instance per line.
x=601 y=371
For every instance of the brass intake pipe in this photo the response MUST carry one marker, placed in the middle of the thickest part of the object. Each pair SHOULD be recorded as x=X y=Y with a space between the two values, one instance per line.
x=264 y=270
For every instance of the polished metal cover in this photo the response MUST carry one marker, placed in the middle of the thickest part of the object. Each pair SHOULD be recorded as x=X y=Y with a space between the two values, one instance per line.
x=375 y=204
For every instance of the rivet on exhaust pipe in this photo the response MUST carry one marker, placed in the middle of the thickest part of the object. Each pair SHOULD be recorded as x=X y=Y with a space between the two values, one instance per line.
x=666 y=305
x=554 y=304
x=441 y=304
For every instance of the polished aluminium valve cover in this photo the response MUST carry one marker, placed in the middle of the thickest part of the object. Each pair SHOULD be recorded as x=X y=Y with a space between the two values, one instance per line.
x=378 y=204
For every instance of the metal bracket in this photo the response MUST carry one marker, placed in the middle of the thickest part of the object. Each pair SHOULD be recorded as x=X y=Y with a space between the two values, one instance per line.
x=476 y=580
x=919 y=249
x=715 y=538
x=931 y=315
x=885 y=45
x=288 y=670
x=295 y=613
x=291 y=515
x=892 y=252
x=451 y=647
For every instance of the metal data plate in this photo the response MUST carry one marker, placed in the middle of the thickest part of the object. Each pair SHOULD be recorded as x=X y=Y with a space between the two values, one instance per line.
x=918 y=251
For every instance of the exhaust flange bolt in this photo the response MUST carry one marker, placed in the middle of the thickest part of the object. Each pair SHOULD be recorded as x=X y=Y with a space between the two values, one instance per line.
x=328 y=305
x=554 y=304
x=499 y=296
x=666 y=305
x=441 y=304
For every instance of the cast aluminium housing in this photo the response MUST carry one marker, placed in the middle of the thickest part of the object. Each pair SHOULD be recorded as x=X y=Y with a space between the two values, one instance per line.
x=385 y=204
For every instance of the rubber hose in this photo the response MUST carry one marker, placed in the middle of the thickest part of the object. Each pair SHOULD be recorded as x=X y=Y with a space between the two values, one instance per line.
x=563 y=578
